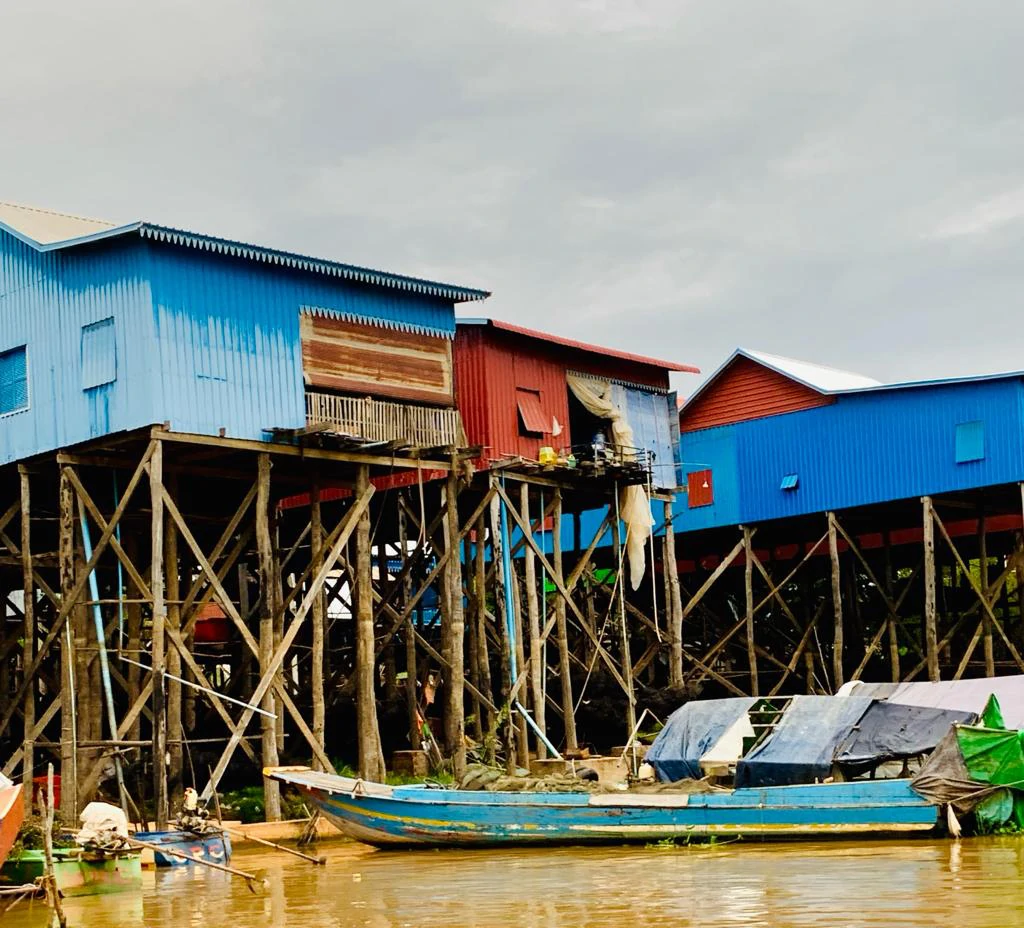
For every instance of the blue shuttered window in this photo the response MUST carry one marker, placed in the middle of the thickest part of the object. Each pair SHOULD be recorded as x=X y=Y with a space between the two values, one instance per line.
x=970 y=442
x=13 y=380
x=99 y=354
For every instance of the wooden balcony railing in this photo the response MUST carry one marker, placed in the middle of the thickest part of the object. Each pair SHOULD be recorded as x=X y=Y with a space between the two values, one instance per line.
x=383 y=420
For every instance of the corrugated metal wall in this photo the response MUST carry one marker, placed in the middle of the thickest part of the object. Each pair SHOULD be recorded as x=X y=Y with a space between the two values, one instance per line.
x=869 y=447
x=45 y=301
x=748 y=391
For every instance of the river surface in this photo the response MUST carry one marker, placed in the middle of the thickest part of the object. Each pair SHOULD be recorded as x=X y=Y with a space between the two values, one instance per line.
x=970 y=884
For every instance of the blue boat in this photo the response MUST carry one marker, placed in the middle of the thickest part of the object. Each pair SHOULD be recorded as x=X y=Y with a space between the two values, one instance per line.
x=387 y=816
x=213 y=846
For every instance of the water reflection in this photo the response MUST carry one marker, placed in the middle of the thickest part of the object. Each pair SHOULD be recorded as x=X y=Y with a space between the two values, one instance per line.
x=968 y=885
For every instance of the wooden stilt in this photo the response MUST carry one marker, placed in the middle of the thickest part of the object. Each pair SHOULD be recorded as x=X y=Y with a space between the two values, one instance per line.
x=837 y=606
x=371 y=760
x=538 y=701
x=159 y=619
x=930 y=613
x=894 y=642
x=501 y=612
x=411 y=692
x=673 y=601
x=175 y=748
x=562 y=631
x=29 y=637
x=522 y=736
x=264 y=547
x=987 y=645
x=748 y=586
x=319 y=629
x=480 y=617
x=627 y=662
x=455 y=714
x=472 y=648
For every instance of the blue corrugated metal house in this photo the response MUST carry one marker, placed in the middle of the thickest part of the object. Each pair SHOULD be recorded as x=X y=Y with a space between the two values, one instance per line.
x=107 y=328
x=768 y=438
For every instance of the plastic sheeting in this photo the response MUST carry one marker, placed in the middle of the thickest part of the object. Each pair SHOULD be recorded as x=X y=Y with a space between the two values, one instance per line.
x=804 y=743
x=965 y=695
x=690 y=732
x=634 y=506
x=889 y=731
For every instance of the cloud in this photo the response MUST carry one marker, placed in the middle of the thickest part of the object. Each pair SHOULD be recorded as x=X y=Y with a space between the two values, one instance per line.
x=837 y=181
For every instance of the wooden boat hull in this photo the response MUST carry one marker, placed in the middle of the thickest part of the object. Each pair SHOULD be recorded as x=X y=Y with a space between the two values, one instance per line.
x=402 y=816
x=215 y=847
x=78 y=873
x=12 y=813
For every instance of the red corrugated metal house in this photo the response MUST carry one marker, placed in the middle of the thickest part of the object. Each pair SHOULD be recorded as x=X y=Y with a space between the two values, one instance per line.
x=512 y=392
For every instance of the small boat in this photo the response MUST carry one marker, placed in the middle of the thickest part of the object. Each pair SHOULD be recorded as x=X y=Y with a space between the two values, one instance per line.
x=12 y=813
x=213 y=846
x=387 y=816
x=78 y=871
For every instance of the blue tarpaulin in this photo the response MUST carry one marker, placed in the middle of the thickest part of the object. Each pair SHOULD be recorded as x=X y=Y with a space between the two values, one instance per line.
x=689 y=733
x=804 y=743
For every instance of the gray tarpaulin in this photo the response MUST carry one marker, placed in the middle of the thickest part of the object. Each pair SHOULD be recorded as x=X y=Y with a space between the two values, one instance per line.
x=965 y=695
x=690 y=732
x=804 y=742
x=889 y=731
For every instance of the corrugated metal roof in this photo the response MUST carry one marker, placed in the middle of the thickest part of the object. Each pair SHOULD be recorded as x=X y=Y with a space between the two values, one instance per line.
x=46 y=230
x=580 y=346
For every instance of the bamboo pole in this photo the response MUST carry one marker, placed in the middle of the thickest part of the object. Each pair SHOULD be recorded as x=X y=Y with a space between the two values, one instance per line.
x=271 y=788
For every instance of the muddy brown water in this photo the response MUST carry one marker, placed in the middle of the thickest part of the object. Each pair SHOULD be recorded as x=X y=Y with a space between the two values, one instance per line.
x=971 y=884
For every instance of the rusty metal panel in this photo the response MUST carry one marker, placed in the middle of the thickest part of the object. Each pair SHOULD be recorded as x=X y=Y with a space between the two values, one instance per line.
x=355 y=357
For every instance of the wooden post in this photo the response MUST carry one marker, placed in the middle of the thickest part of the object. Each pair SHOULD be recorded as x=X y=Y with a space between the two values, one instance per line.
x=371 y=761
x=455 y=714
x=894 y=642
x=673 y=601
x=277 y=589
x=483 y=657
x=319 y=630
x=627 y=661
x=931 y=636
x=29 y=638
x=501 y=612
x=264 y=548
x=68 y=728
x=533 y=618
x=159 y=644
x=411 y=695
x=990 y=661
x=564 y=665
x=837 y=606
x=472 y=648
x=175 y=748
x=748 y=587
x=522 y=733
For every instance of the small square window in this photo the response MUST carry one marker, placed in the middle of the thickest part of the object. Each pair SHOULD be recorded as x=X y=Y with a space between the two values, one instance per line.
x=13 y=380
x=970 y=442
x=790 y=482
x=99 y=354
x=700 y=490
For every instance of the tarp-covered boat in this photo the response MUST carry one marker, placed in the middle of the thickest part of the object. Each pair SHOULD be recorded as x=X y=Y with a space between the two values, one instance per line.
x=389 y=816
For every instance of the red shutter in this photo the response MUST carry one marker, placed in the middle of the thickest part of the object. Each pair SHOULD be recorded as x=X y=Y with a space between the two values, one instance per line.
x=700 y=490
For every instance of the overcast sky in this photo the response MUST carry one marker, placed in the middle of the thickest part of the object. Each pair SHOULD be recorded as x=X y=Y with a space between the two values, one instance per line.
x=836 y=181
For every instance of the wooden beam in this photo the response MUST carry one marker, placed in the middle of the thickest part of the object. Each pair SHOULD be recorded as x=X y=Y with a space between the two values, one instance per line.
x=837 y=606
x=156 y=586
x=748 y=586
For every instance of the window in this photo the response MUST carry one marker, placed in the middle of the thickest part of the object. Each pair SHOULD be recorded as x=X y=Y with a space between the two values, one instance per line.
x=970 y=442
x=790 y=482
x=532 y=420
x=13 y=380
x=700 y=491
x=99 y=354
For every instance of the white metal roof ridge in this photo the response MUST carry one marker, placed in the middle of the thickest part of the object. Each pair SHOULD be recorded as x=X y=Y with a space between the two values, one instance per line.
x=817 y=376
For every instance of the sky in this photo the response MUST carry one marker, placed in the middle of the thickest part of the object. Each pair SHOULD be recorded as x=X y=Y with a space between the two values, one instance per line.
x=836 y=181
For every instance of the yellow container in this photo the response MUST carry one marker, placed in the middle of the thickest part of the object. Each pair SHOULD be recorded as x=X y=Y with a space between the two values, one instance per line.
x=547 y=455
